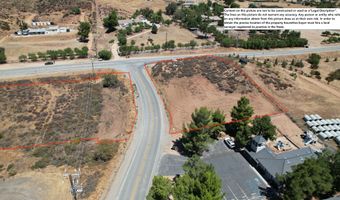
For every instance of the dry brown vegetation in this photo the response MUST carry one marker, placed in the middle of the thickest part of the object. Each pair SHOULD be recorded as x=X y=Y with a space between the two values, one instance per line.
x=189 y=84
x=58 y=111
x=305 y=96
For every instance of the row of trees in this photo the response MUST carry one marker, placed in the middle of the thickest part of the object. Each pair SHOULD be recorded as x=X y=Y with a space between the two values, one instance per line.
x=264 y=40
x=206 y=126
x=67 y=53
x=316 y=177
x=149 y=14
x=199 y=181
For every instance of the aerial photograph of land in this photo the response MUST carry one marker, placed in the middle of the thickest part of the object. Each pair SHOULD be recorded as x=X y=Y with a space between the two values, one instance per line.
x=157 y=100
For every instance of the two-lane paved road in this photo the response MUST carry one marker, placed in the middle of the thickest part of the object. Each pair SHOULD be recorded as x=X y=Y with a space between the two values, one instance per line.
x=142 y=158
x=134 y=178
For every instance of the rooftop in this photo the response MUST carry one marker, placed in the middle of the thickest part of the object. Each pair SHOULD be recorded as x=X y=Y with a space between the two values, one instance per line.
x=279 y=164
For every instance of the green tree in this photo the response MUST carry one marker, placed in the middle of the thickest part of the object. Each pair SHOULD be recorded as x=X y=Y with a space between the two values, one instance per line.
x=122 y=39
x=229 y=2
x=2 y=56
x=310 y=179
x=243 y=110
x=336 y=171
x=161 y=189
x=199 y=181
x=218 y=119
x=42 y=56
x=263 y=126
x=84 y=31
x=196 y=137
x=111 y=21
x=241 y=114
x=192 y=44
x=171 y=8
x=105 y=54
x=154 y=29
x=314 y=60
x=243 y=135
x=110 y=81
x=33 y=57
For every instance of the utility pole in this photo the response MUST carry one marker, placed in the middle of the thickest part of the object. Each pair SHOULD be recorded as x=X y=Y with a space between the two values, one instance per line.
x=166 y=40
x=76 y=187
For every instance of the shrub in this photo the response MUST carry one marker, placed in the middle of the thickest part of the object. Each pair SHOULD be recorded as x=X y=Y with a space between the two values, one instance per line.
x=110 y=81
x=2 y=55
x=42 y=163
x=10 y=166
x=75 y=11
x=314 y=60
x=33 y=57
x=22 y=58
x=105 y=151
x=105 y=54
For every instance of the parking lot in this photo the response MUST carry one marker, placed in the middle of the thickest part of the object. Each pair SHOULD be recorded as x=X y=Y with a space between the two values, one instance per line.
x=240 y=181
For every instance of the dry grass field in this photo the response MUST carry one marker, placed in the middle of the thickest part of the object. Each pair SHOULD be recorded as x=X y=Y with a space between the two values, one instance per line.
x=16 y=46
x=60 y=111
x=173 y=32
x=305 y=96
x=190 y=84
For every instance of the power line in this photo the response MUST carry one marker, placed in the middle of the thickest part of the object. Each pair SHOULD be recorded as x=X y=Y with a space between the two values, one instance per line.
x=76 y=187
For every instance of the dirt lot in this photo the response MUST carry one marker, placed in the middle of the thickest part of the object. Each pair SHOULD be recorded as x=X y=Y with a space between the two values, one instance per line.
x=280 y=3
x=186 y=85
x=324 y=67
x=128 y=7
x=57 y=112
x=306 y=96
x=173 y=32
x=16 y=46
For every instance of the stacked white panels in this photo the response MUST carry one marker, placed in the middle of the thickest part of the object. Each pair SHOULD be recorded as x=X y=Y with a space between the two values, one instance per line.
x=332 y=134
x=323 y=122
x=316 y=123
x=313 y=117
x=321 y=129
x=329 y=122
x=337 y=140
x=315 y=129
x=323 y=136
x=336 y=127
x=337 y=121
x=327 y=128
x=317 y=116
x=310 y=123
x=334 y=121
x=307 y=118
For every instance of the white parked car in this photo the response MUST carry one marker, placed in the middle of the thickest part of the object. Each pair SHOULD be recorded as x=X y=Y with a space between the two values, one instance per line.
x=229 y=142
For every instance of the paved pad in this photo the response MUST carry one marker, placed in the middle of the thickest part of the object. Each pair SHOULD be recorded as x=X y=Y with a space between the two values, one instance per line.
x=240 y=181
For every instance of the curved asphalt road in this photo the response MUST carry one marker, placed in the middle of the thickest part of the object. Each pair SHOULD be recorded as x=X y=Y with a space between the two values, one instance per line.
x=142 y=158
